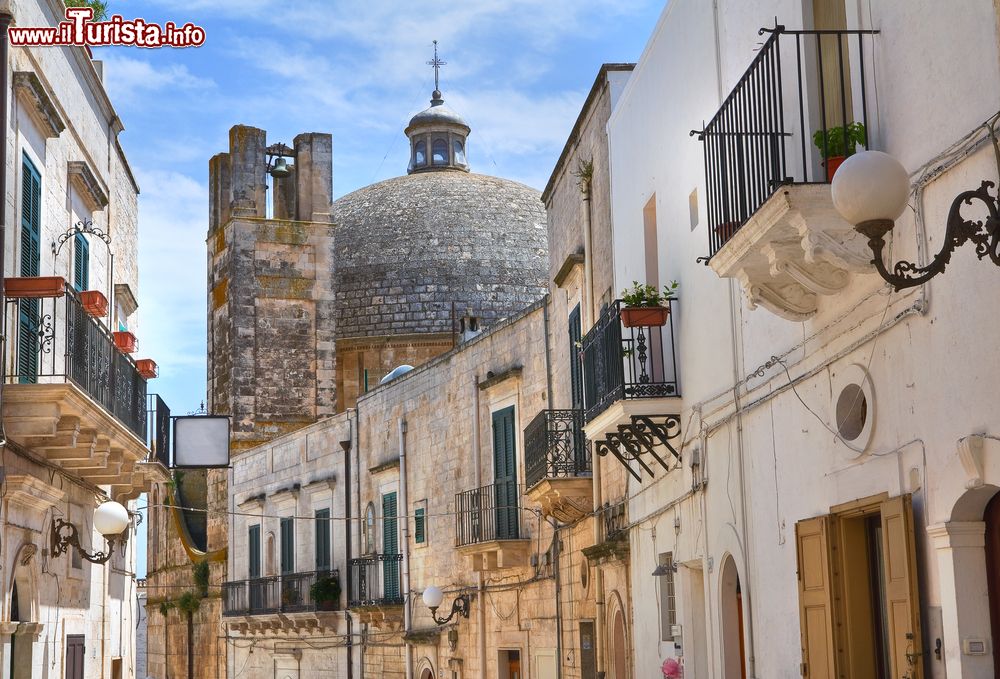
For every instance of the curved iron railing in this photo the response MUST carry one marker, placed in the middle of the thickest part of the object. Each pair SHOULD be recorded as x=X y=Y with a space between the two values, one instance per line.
x=289 y=593
x=488 y=513
x=555 y=446
x=375 y=580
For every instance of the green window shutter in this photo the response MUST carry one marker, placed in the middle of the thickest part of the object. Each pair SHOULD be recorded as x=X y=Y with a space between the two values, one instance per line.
x=31 y=255
x=575 y=362
x=390 y=545
x=322 y=539
x=81 y=263
x=287 y=546
x=253 y=541
x=419 y=526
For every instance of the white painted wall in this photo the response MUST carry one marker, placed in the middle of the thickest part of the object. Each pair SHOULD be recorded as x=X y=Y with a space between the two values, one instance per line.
x=934 y=373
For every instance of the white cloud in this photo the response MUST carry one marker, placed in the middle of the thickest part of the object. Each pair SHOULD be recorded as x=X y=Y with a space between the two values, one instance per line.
x=127 y=78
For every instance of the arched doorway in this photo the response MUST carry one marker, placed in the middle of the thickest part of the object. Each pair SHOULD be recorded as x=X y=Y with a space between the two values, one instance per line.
x=22 y=611
x=992 y=518
x=427 y=673
x=733 y=652
x=619 y=657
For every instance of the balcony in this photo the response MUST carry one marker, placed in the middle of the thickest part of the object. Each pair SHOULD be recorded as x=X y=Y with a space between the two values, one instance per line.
x=488 y=527
x=73 y=398
x=558 y=465
x=772 y=224
x=376 y=591
x=290 y=593
x=614 y=544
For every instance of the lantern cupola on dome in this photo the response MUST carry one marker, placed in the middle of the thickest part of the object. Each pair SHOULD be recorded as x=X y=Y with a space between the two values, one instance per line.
x=437 y=134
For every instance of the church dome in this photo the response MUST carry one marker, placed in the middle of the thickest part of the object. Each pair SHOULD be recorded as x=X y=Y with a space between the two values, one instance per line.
x=416 y=253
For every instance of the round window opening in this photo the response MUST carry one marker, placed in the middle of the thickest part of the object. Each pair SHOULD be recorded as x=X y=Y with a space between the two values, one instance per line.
x=852 y=412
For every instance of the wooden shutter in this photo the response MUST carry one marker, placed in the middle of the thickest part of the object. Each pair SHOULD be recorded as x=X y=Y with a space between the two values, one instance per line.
x=901 y=603
x=31 y=254
x=253 y=546
x=815 y=597
x=575 y=362
x=81 y=263
x=505 y=475
x=390 y=546
x=419 y=527
x=322 y=539
x=287 y=546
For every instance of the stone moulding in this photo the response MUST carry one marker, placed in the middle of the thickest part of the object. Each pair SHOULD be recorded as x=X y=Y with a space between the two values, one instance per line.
x=40 y=106
x=87 y=184
x=792 y=250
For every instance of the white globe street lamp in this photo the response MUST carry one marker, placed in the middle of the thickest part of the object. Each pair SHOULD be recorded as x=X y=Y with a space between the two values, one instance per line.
x=111 y=519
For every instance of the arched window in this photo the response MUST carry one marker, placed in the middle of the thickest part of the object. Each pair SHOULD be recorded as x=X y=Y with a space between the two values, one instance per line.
x=440 y=152
x=369 y=546
x=459 y=149
x=420 y=153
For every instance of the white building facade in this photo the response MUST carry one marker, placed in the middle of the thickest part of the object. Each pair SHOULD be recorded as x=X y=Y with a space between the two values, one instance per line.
x=74 y=404
x=830 y=511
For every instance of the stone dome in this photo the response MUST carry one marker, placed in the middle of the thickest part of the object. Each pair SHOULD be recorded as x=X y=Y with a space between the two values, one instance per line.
x=408 y=248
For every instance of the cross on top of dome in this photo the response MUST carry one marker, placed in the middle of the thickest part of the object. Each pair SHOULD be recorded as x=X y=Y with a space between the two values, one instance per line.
x=437 y=134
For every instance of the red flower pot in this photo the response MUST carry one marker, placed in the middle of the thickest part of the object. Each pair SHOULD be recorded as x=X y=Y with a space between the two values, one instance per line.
x=35 y=286
x=125 y=341
x=147 y=368
x=832 y=163
x=644 y=316
x=94 y=303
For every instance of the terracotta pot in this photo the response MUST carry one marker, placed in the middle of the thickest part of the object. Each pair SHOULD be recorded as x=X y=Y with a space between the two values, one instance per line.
x=125 y=341
x=94 y=303
x=832 y=163
x=147 y=368
x=726 y=230
x=644 y=316
x=35 y=286
x=327 y=605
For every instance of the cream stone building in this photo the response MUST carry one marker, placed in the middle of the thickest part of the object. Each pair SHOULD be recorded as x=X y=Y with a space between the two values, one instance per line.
x=75 y=427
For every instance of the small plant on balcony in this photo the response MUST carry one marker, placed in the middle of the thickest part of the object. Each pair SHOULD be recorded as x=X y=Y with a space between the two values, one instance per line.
x=326 y=592
x=645 y=306
x=94 y=303
x=290 y=595
x=836 y=143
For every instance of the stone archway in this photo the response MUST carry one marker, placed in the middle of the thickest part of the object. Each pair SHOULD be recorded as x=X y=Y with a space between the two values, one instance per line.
x=618 y=647
x=731 y=610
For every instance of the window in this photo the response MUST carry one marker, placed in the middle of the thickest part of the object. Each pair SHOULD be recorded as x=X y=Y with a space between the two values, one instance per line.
x=287 y=545
x=439 y=152
x=420 y=153
x=253 y=549
x=420 y=525
x=31 y=255
x=864 y=551
x=81 y=263
x=369 y=529
x=668 y=604
x=322 y=539
x=651 y=248
x=459 y=150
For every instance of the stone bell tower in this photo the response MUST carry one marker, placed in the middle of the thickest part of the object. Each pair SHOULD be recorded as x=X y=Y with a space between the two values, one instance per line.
x=271 y=359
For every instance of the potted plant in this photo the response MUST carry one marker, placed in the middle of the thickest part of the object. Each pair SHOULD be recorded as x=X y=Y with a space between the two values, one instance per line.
x=94 y=303
x=290 y=595
x=34 y=286
x=836 y=143
x=125 y=341
x=325 y=592
x=147 y=368
x=645 y=306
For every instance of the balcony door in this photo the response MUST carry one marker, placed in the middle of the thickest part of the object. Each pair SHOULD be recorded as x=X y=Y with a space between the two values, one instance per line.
x=836 y=105
x=390 y=546
x=505 y=475
x=576 y=383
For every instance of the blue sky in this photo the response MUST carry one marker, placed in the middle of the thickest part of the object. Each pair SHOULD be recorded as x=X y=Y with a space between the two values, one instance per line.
x=518 y=71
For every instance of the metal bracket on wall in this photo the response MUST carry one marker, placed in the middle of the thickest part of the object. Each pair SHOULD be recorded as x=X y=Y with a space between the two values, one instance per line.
x=644 y=434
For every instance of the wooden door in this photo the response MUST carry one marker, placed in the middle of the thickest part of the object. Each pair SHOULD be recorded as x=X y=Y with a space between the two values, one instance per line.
x=74 y=656
x=992 y=518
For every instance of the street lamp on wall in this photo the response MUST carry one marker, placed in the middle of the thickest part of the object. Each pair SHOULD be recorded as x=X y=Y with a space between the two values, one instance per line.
x=433 y=596
x=870 y=190
x=111 y=520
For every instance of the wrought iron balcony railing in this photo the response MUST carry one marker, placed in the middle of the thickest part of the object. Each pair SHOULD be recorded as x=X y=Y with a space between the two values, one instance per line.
x=555 y=447
x=375 y=580
x=614 y=520
x=53 y=340
x=289 y=593
x=803 y=92
x=622 y=362
x=489 y=513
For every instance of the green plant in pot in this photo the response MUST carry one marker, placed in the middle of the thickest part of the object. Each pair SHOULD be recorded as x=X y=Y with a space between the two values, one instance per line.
x=645 y=306
x=836 y=143
x=326 y=592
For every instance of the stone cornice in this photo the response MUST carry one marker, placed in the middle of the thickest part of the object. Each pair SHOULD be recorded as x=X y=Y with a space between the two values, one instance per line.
x=32 y=492
x=572 y=261
x=40 y=105
x=87 y=183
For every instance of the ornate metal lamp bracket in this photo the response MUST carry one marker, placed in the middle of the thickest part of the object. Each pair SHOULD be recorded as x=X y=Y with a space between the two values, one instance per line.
x=460 y=606
x=65 y=535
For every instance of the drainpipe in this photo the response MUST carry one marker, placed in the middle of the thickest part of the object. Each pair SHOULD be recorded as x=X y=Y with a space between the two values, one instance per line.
x=5 y=19
x=588 y=263
x=480 y=583
x=346 y=445
x=405 y=515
